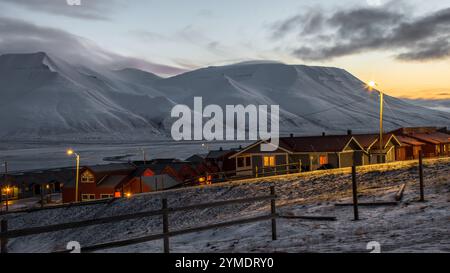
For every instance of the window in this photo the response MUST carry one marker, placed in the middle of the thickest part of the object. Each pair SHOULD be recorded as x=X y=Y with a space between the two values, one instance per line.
x=106 y=196
x=245 y=161
x=269 y=161
x=323 y=160
x=87 y=177
x=240 y=162
x=87 y=197
x=248 y=161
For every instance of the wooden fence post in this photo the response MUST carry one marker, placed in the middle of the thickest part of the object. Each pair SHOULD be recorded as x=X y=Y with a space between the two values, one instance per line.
x=256 y=171
x=355 y=194
x=273 y=212
x=422 y=193
x=4 y=241
x=165 y=226
x=299 y=166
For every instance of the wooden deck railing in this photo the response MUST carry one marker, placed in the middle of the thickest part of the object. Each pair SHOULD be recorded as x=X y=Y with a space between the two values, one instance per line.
x=7 y=234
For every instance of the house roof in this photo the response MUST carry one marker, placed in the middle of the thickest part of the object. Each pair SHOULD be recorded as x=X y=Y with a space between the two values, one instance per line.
x=368 y=140
x=112 y=168
x=331 y=143
x=42 y=177
x=409 y=141
x=336 y=143
x=111 y=181
x=434 y=138
x=178 y=165
x=220 y=153
x=197 y=158
x=156 y=168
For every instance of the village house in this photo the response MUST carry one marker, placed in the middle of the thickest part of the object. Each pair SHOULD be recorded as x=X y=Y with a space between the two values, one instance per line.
x=221 y=159
x=99 y=182
x=371 y=145
x=410 y=148
x=125 y=179
x=151 y=178
x=436 y=142
x=311 y=153
x=37 y=182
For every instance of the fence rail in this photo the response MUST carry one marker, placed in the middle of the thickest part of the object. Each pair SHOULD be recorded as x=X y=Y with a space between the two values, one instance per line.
x=6 y=234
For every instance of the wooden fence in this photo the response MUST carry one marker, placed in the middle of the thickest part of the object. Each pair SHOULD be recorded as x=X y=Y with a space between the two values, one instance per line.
x=66 y=205
x=165 y=211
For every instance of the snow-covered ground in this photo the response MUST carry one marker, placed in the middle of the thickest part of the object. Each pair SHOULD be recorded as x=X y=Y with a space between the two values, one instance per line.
x=411 y=226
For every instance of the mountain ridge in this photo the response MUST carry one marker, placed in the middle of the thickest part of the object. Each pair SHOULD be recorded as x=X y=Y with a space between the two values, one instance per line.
x=46 y=98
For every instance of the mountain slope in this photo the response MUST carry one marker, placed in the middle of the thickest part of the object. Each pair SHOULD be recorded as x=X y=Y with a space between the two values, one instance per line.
x=311 y=98
x=43 y=97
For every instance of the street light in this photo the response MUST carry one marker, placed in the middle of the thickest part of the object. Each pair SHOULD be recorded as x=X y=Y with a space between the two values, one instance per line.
x=7 y=191
x=71 y=152
x=372 y=85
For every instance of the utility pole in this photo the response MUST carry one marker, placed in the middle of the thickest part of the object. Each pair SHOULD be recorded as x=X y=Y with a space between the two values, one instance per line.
x=7 y=186
x=144 y=157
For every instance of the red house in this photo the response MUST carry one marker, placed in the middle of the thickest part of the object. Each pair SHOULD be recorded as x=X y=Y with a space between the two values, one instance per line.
x=98 y=182
x=436 y=143
x=158 y=177
x=410 y=148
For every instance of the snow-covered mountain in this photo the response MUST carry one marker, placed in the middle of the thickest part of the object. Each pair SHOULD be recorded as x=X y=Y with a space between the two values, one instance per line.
x=43 y=97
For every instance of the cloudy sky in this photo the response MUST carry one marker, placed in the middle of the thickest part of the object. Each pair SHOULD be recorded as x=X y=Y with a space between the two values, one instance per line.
x=404 y=45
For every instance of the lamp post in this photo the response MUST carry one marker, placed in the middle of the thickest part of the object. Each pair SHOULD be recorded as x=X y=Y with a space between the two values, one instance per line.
x=7 y=191
x=71 y=152
x=372 y=85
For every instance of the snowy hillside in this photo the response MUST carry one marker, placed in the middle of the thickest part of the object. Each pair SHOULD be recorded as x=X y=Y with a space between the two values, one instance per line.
x=410 y=226
x=43 y=97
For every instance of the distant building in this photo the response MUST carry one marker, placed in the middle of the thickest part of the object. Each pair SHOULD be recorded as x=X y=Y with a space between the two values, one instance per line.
x=221 y=159
x=371 y=145
x=124 y=179
x=151 y=178
x=410 y=148
x=436 y=142
x=314 y=152
x=32 y=183
x=99 y=182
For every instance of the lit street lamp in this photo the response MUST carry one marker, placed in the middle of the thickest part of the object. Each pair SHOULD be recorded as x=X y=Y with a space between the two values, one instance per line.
x=7 y=191
x=372 y=85
x=71 y=152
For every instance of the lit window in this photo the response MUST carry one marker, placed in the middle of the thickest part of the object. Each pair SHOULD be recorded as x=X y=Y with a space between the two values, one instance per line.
x=87 y=177
x=269 y=161
x=323 y=160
